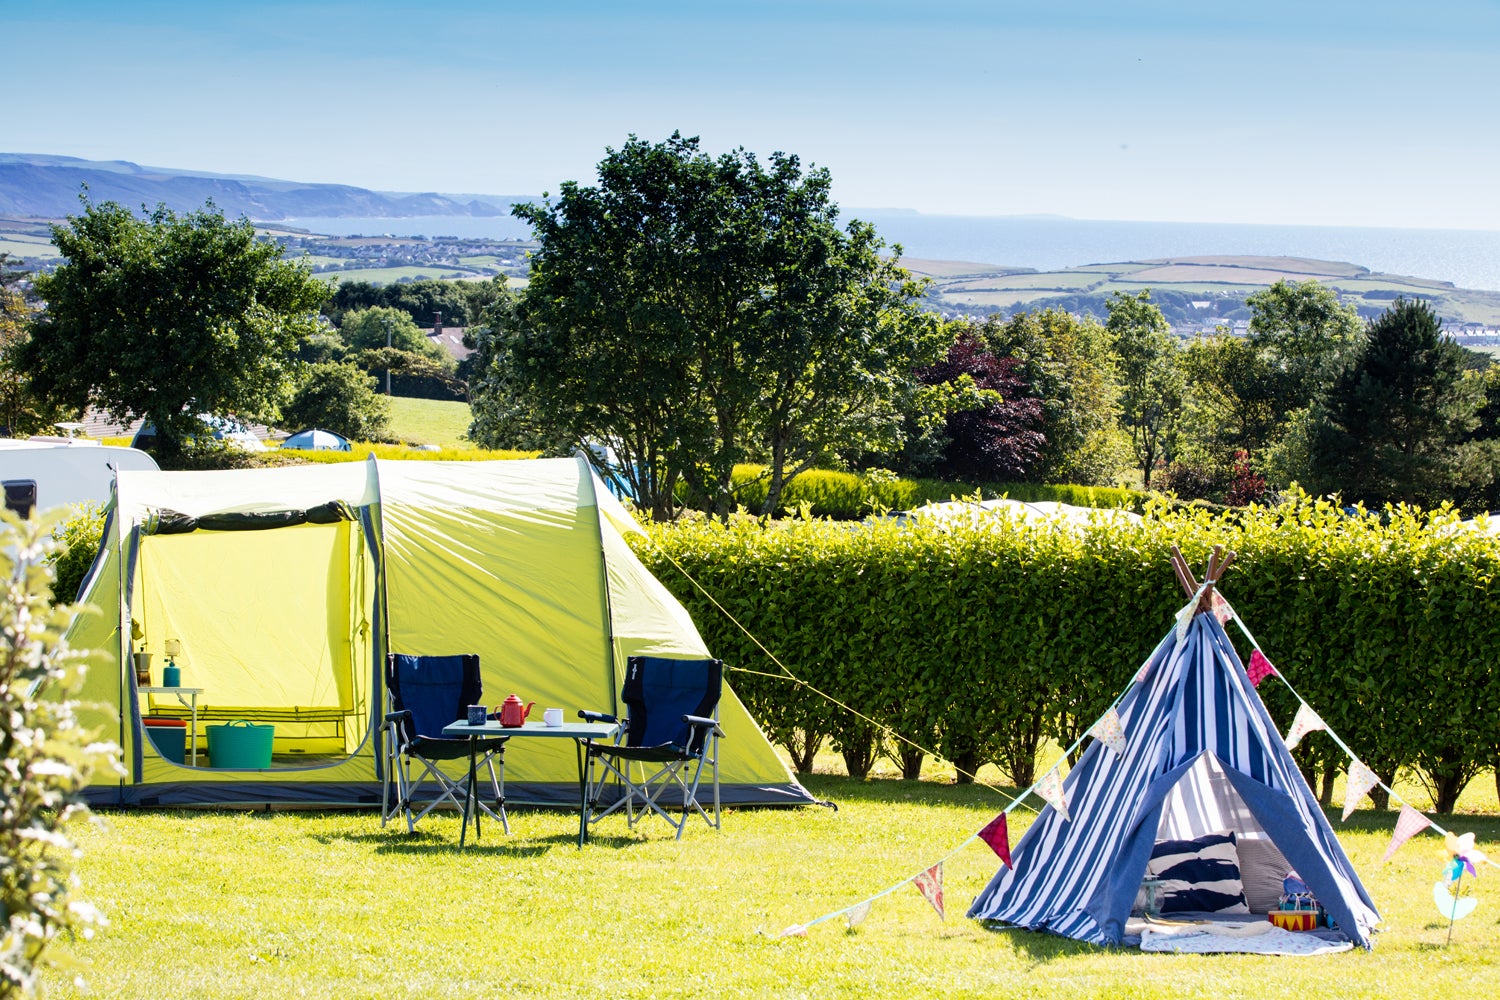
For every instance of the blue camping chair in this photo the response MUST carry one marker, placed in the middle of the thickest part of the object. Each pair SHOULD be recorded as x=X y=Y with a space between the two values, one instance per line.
x=670 y=736
x=428 y=693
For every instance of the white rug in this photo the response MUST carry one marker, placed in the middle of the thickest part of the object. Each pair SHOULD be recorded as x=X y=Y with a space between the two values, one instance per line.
x=1253 y=938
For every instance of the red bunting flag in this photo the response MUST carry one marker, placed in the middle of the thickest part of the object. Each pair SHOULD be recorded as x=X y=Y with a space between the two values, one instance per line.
x=996 y=834
x=1408 y=825
x=930 y=885
x=1260 y=668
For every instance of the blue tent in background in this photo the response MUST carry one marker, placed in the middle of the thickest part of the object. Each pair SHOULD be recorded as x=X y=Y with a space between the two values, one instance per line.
x=316 y=440
x=1202 y=756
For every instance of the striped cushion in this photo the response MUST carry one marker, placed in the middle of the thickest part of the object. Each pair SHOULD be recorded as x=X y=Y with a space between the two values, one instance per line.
x=1201 y=875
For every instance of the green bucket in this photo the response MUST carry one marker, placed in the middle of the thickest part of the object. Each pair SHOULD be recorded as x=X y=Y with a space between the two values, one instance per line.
x=240 y=744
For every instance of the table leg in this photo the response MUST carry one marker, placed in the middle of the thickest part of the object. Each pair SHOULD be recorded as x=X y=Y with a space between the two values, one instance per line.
x=583 y=796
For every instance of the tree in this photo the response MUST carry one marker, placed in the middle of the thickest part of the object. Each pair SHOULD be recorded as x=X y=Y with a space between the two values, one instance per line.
x=1066 y=364
x=1302 y=334
x=368 y=330
x=170 y=316
x=21 y=412
x=1229 y=404
x=692 y=312
x=1150 y=380
x=1392 y=425
x=999 y=440
x=339 y=397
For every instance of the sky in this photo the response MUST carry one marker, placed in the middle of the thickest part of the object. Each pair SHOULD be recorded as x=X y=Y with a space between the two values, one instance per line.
x=1319 y=112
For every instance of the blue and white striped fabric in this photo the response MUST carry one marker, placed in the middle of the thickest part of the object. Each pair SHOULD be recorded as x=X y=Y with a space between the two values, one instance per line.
x=1201 y=875
x=1078 y=877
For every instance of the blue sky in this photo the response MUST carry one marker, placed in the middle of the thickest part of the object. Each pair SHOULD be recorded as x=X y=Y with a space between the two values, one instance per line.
x=1328 y=113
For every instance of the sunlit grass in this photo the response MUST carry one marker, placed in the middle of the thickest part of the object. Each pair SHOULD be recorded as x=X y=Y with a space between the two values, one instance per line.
x=227 y=904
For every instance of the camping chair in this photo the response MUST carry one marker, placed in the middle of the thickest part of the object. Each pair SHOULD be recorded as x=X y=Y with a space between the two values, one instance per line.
x=672 y=729
x=426 y=694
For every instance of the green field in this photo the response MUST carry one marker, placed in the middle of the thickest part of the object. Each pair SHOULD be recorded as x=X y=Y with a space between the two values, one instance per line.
x=256 y=905
x=431 y=421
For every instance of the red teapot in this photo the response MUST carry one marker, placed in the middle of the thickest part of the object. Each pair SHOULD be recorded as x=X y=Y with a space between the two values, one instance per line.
x=513 y=713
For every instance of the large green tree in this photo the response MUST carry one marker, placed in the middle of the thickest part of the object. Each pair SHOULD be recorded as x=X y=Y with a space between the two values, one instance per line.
x=169 y=316
x=339 y=396
x=1302 y=334
x=1151 y=382
x=692 y=312
x=21 y=412
x=1393 y=424
x=1067 y=363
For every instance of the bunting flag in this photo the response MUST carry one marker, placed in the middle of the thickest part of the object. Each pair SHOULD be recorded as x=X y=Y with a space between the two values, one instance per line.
x=1140 y=675
x=930 y=885
x=1260 y=668
x=1185 y=617
x=1051 y=790
x=1357 y=785
x=856 y=914
x=1110 y=732
x=1306 y=721
x=1408 y=825
x=996 y=834
x=796 y=930
x=1222 y=610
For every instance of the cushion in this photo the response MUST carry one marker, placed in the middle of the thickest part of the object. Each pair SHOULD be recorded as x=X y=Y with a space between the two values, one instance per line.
x=1200 y=875
x=1262 y=868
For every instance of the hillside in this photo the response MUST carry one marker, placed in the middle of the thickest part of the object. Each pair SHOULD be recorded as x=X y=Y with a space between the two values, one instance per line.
x=33 y=184
x=1193 y=292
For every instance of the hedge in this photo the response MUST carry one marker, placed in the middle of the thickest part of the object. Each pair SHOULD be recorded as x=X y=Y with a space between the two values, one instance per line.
x=985 y=640
x=848 y=496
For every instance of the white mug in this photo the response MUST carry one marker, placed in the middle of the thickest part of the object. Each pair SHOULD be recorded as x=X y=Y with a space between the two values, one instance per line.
x=553 y=717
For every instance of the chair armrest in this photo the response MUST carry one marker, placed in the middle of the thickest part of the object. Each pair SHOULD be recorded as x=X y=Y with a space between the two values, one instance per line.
x=397 y=716
x=703 y=722
x=596 y=716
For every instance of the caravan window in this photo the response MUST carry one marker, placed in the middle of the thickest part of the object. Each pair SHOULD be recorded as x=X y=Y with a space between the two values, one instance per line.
x=20 y=496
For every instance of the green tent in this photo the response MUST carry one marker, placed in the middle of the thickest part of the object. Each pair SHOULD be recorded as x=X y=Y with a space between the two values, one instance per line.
x=285 y=588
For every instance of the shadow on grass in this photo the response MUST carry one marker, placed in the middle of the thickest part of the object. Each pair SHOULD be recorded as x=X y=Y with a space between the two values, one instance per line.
x=898 y=791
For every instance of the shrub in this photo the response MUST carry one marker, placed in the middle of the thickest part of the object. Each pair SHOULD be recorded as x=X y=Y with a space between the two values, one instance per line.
x=990 y=636
x=45 y=762
x=77 y=542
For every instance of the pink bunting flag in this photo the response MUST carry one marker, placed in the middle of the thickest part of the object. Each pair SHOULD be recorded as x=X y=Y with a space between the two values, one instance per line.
x=796 y=930
x=1222 y=610
x=1109 y=731
x=1357 y=785
x=855 y=915
x=996 y=834
x=1260 y=668
x=1051 y=790
x=1143 y=673
x=930 y=885
x=1306 y=721
x=1408 y=825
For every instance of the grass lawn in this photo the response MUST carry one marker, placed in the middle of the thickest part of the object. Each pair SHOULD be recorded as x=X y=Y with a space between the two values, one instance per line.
x=431 y=421
x=240 y=904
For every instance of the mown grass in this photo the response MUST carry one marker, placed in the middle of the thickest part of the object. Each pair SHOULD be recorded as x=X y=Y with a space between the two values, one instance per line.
x=431 y=421
x=240 y=904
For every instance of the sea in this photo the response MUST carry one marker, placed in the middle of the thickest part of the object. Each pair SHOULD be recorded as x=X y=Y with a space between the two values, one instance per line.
x=1470 y=258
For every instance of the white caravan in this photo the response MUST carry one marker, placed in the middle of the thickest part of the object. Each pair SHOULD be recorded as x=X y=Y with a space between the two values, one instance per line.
x=44 y=473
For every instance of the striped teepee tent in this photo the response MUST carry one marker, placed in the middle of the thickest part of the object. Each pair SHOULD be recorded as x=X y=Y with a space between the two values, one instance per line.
x=1201 y=756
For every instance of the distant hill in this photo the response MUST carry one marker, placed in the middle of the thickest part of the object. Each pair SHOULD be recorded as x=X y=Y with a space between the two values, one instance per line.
x=35 y=184
x=1194 y=293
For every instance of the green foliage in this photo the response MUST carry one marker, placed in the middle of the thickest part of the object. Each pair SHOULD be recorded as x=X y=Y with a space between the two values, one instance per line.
x=339 y=397
x=1302 y=333
x=21 y=411
x=77 y=539
x=371 y=329
x=849 y=496
x=1150 y=380
x=1392 y=426
x=992 y=636
x=170 y=316
x=1066 y=360
x=45 y=762
x=692 y=312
